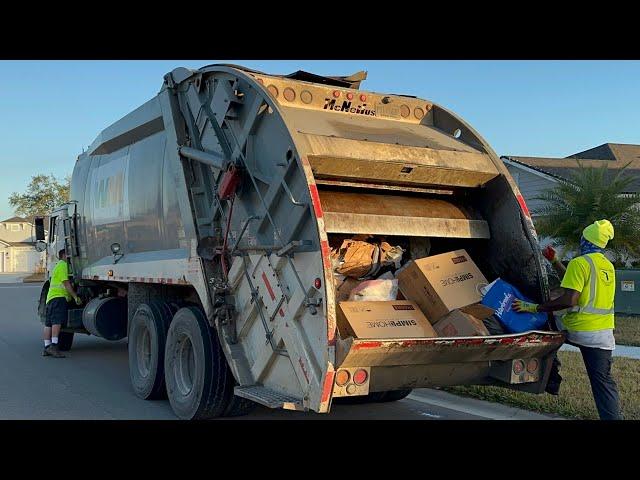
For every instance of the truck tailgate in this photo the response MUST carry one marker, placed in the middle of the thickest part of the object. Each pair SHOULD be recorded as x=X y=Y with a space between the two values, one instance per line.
x=421 y=351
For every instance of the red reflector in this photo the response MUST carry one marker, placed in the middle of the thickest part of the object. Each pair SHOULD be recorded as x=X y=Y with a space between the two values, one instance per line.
x=350 y=96
x=317 y=283
x=523 y=205
x=360 y=377
x=363 y=98
x=336 y=93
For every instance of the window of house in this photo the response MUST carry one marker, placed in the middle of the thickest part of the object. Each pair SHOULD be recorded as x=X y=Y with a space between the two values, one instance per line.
x=15 y=227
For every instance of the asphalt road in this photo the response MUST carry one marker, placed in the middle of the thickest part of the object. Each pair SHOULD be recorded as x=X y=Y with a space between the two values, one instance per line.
x=92 y=383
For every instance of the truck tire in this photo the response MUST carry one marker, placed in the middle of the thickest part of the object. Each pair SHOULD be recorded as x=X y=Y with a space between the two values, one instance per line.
x=146 y=345
x=199 y=382
x=65 y=340
x=374 y=397
x=239 y=407
x=394 y=395
x=42 y=303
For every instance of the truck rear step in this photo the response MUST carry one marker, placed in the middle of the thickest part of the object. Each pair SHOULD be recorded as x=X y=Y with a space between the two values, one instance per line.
x=269 y=398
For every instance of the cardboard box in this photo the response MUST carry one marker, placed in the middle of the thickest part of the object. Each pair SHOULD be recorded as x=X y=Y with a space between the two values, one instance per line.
x=394 y=319
x=460 y=324
x=441 y=283
x=478 y=310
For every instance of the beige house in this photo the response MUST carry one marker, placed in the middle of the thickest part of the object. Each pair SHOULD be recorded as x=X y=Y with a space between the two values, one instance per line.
x=17 y=246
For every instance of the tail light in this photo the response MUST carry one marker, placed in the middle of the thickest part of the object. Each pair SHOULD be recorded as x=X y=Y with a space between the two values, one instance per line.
x=518 y=367
x=532 y=365
x=342 y=377
x=360 y=377
x=317 y=283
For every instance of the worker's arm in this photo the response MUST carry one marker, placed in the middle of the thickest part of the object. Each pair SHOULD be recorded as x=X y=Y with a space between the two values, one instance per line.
x=568 y=299
x=69 y=288
x=573 y=282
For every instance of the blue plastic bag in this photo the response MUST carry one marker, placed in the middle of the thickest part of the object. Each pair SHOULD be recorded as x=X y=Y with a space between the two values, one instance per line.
x=500 y=297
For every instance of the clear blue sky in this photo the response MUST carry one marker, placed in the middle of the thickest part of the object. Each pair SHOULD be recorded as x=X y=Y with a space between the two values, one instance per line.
x=50 y=110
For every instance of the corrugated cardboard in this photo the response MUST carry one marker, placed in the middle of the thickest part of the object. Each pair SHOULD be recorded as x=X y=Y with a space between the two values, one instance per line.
x=394 y=319
x=441 y=283
x=344 y=287
x=460 y=324
x=478 y=310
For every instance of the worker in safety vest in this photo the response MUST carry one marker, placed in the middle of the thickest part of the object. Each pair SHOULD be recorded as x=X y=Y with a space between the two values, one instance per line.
x=60 y=292
x=588 y=291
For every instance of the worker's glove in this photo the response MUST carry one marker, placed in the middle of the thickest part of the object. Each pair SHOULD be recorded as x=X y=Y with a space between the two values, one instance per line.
x=549 y=253
x=522 y=306
x=78 y=301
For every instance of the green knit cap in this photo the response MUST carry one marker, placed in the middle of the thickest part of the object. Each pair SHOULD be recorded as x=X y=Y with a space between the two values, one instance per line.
x=599 y=232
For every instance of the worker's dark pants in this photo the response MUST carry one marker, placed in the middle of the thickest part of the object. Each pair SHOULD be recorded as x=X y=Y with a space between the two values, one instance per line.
x=605 y=391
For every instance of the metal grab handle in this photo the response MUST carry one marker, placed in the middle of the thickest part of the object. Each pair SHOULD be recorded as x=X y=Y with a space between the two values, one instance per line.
x=293 y=200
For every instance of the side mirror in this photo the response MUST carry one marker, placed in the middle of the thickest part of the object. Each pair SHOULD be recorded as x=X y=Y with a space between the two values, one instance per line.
x=39 y=222
x=41 y=246
x=115 y=249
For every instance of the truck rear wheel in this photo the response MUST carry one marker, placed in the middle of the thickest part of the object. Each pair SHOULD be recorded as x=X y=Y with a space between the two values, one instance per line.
x=199 y=383
x=239 y=407
x=147 y=340
x=65 y=340
x=395 y=395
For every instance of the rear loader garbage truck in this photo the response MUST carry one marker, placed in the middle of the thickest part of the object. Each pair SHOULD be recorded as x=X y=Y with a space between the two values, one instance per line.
x=202 y=227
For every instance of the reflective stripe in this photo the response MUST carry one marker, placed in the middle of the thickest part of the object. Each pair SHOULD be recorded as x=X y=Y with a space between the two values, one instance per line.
x=589 y=307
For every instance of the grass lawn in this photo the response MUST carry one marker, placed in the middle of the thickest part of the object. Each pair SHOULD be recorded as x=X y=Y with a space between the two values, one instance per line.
x=627 y=330
x=575 y=400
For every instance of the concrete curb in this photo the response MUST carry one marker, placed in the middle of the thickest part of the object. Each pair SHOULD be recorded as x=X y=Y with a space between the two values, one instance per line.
x=624 y=351
x=473 y=406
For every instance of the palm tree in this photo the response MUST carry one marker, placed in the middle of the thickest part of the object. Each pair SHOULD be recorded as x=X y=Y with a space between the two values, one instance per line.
x=589 y=195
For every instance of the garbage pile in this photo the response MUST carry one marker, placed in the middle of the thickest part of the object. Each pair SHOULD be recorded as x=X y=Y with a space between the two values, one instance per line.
x=444 y=295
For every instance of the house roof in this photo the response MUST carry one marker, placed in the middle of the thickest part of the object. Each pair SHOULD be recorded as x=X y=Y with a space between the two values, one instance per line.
x=14 y=220
x=30 y=219
x=613 y=155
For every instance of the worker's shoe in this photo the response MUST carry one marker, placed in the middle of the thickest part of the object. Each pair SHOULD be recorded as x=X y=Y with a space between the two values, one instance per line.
x=54 y=351
x=45 y=351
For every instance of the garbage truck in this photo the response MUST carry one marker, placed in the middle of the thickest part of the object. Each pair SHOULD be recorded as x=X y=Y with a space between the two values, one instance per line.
x=200 y=227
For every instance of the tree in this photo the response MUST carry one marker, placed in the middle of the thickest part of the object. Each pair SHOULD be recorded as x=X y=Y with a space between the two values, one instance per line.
x=590 y=195
x=44 y=193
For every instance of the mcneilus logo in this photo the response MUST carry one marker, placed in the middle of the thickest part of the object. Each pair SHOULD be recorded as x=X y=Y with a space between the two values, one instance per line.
x=330 y=104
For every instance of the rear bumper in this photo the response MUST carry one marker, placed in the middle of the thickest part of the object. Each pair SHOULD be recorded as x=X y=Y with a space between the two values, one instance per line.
x=427 y=362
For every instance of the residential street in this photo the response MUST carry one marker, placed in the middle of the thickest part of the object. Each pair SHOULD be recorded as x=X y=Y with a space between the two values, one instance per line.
x=93 y=381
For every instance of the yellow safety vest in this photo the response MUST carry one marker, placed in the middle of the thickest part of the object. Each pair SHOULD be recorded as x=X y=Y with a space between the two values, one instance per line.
x=595 y=309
